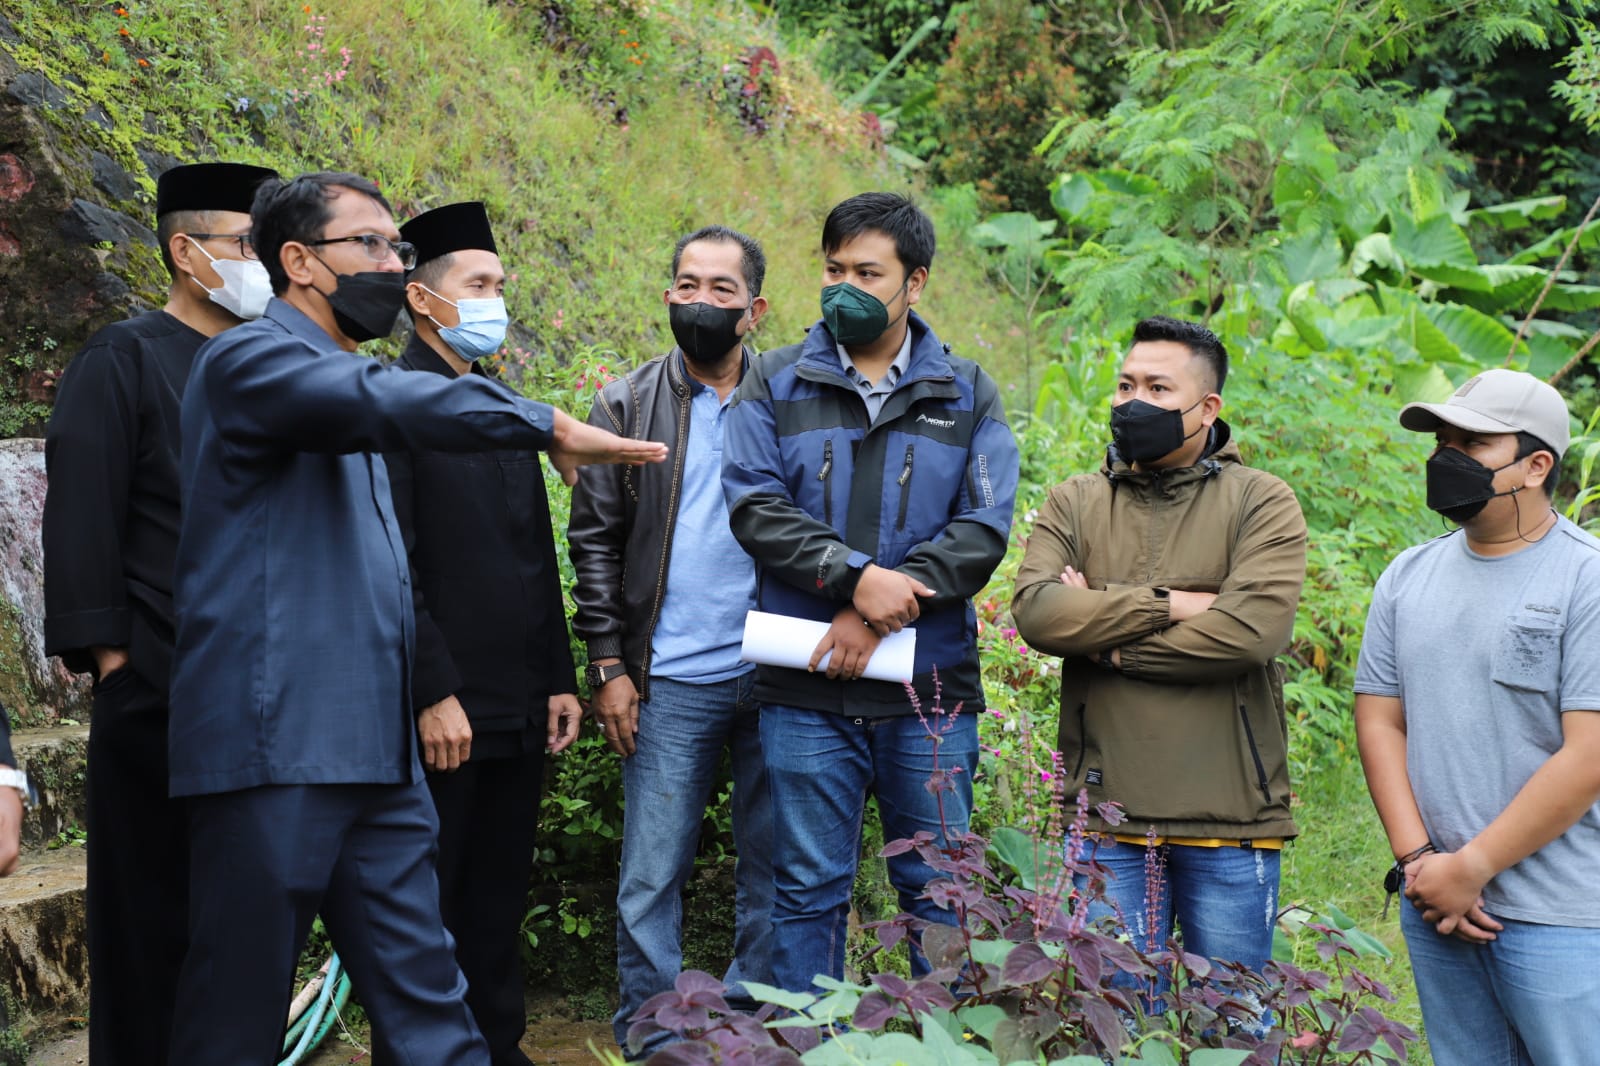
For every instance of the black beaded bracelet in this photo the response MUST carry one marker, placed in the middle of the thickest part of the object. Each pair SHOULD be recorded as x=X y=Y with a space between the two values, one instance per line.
x=1394 y=879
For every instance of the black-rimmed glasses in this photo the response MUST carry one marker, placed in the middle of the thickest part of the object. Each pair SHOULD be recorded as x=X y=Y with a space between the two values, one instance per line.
x=247 y=250
x=378 y=247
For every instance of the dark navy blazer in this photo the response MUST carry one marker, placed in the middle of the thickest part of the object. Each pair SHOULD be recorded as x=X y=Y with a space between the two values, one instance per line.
x=294 y=604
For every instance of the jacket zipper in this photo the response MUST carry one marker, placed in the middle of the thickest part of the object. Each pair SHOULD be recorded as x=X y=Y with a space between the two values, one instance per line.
x=827 y=487
x=1255 y=755
x=1083 y=741
x=904 y=482
x=666 y=543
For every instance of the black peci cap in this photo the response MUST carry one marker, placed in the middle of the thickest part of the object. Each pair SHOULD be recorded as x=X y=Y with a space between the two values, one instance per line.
x=210 y=187
x=451 y=228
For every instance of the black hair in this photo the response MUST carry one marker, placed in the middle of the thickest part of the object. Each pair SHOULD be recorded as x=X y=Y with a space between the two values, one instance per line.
x=430 y=274
x=1200 y=341
x=888 y=213
x=1527 y=444
x=298 y=210
x=752 y=260
x=173 y=223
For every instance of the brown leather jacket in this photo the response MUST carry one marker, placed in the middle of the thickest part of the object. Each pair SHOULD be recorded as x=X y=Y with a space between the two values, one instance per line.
x=1189 y=735
x=620 y=532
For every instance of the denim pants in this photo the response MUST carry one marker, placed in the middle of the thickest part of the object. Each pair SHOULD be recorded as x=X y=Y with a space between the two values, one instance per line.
x=1531 y=997
x=1224 y=899
x=666 y=784
x=822 y=767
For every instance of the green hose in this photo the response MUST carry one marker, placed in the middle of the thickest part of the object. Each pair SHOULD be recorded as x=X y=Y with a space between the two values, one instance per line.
x=308 y=1030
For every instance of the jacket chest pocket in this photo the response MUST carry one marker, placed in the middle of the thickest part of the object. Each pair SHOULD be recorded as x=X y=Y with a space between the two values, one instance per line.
x=1528 y=654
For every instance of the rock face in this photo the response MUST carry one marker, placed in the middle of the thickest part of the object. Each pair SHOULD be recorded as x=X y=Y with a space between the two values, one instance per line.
x=35 y=689
x=74 y=231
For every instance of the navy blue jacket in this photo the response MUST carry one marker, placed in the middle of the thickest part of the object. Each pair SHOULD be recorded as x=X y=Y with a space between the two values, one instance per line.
x=294 y=602
x=927 y=488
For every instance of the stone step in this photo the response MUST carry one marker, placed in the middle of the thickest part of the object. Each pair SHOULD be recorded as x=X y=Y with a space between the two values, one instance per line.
x=44 y=958
x=56 y=759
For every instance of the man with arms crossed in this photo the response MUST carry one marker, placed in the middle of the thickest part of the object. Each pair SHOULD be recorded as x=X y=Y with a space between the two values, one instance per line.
x=1476 y=701
x=1168 y=582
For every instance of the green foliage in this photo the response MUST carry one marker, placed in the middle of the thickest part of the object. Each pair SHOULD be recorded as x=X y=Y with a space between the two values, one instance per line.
x=1580 y=88
x=1002 y=89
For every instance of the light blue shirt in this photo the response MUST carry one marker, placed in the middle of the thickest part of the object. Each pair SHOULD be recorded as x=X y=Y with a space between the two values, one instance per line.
x=711 y=582
x=875 y=392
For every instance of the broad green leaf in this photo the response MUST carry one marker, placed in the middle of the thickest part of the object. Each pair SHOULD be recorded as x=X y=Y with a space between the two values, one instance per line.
x=1553 y=245
x=1481 y=339
x=1310 y=255
x=991 y=952
x=1565 y=297
x=1071 y=196
x=982 y=1018
x=1515 y=214
x=1470 y=278
x=1035 y=861
x=1154 y=1053
x=1427 y=198
x=1436 y=242
x=1367 y=944
x=1338 y=918
x=1303 y=309
x=1376 y=250
x=1012 y=229
x=1425 y=382
x=797 y=1001
x=1547 y=354
x=1217 y=1057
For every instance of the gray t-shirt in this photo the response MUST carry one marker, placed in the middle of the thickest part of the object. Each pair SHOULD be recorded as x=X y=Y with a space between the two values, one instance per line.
x=1487 y=653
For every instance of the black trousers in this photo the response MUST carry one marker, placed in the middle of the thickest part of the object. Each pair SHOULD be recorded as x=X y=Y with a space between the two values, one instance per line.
x=488 y=813
x=138 y=890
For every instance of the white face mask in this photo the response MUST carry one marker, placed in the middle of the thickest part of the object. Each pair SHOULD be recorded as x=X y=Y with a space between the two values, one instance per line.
x=246 y=286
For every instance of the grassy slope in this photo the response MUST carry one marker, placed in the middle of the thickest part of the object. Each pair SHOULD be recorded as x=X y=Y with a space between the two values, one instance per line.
x=597 y=135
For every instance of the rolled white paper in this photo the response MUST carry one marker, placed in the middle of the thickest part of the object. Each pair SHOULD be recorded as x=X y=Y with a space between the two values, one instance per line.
x=779 y=640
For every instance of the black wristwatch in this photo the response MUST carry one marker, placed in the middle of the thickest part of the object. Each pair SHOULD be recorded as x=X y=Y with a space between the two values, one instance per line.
x=595 y=675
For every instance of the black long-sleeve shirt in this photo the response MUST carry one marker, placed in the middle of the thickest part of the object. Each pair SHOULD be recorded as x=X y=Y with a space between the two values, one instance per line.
x=111 y=506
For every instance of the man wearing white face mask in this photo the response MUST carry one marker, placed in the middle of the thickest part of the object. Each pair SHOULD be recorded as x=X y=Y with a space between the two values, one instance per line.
x=110 y=536
x=493 y=681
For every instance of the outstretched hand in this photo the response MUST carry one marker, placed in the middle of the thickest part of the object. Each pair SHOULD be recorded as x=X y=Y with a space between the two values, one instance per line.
x=577 y=444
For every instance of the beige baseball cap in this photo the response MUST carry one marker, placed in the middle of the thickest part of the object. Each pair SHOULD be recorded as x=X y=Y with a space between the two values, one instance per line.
x=1498 y=401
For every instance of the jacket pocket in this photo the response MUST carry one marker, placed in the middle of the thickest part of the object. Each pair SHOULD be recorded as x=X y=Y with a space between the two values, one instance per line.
x=825 y=475
x=904 y=481
x=1528 y=654
x=1255 y=754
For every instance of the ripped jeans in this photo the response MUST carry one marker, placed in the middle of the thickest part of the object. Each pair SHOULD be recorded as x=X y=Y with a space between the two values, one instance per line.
x=1224 y=899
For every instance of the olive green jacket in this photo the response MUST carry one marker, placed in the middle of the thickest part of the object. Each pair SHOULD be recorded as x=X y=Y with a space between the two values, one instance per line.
x=1189 y=734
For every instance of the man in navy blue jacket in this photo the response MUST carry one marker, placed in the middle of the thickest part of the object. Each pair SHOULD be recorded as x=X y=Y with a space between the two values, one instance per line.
x=291 y=727
x=871 y=475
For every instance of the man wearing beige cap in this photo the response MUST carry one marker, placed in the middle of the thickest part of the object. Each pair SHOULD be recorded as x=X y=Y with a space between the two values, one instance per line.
x=1476 y=692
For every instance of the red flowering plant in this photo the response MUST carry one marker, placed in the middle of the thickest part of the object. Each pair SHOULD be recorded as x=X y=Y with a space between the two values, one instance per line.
x=1022 y=975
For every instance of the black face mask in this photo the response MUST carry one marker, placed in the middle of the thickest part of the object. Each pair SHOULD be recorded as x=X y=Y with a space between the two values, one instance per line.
x=366 y=305
x=1144 y=432
x=704 y=331
x=1459 y=486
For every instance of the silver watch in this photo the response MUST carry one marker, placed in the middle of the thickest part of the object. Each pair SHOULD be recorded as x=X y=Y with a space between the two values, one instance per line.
x=18 y=780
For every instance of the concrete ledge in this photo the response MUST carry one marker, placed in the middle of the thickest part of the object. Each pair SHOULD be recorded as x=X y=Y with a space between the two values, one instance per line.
x=56 y=760
x=44 y=956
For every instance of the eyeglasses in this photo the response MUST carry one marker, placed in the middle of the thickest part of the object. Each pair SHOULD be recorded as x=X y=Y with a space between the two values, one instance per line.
x=247 y=250
x=378 y=247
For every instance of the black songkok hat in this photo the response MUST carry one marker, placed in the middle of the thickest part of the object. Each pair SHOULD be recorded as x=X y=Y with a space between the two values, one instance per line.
x=451 y=228
x=210 y=187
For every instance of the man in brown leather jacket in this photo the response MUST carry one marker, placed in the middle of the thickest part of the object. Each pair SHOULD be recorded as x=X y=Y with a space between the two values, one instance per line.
x=1168 y=582
x=662 y=594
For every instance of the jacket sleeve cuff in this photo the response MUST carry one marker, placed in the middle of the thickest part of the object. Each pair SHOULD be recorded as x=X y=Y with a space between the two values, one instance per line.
x=607 y=646
x=77 y=631
x=432 y=682
x=1128 y=657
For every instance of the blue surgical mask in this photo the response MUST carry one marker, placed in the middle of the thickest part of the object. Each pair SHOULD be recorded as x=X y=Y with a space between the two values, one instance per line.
x=482 y=328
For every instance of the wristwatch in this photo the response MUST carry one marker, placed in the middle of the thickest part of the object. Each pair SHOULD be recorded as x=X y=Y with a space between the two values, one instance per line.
x=595 y=675
x=18 y=780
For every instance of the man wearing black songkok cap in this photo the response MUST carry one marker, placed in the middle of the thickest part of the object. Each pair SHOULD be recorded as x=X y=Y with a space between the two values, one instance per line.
x=493 y=682
x=110 y=536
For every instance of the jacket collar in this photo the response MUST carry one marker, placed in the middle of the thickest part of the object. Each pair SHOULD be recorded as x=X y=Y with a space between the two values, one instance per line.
x=930 y=357
x=296 y=322
x=678 y=371
x=418 y=356
x=1222 y=450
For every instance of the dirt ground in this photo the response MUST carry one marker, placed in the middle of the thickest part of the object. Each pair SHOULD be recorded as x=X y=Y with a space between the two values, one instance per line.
x=554 y=1039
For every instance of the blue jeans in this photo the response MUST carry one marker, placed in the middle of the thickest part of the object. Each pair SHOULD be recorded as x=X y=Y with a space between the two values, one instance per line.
x=822 y=767
x=1225 y=900
x=1529 y=998
x=666 y=784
